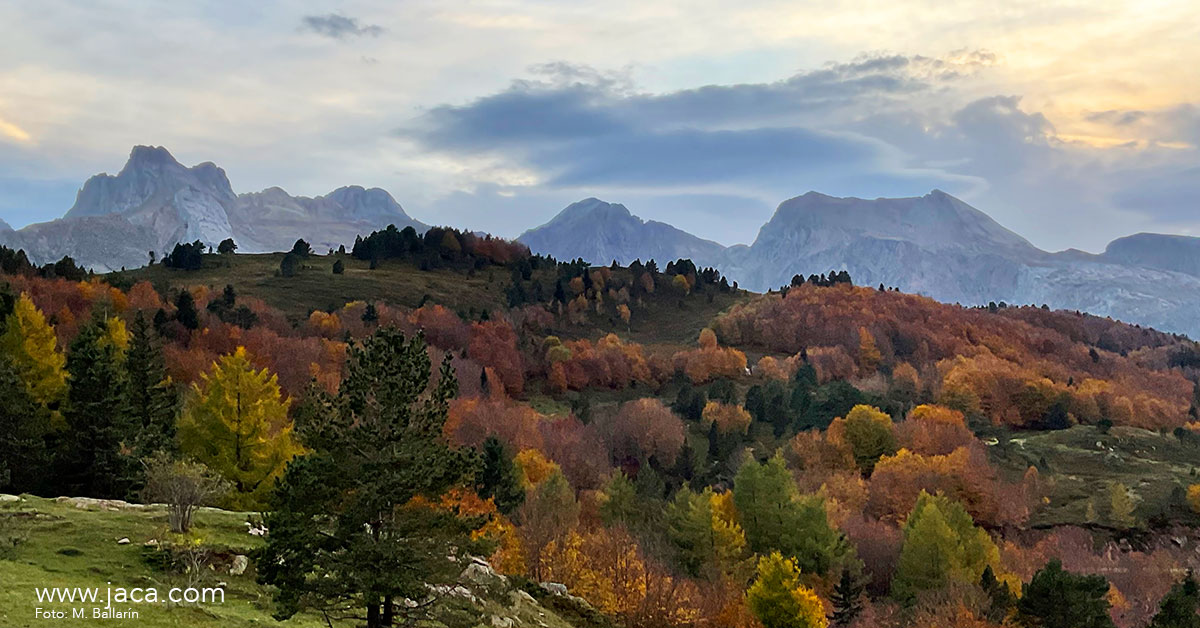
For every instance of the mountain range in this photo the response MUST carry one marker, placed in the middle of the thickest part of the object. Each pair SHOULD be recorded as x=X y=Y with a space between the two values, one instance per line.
x=155 y=202
x=935 y=244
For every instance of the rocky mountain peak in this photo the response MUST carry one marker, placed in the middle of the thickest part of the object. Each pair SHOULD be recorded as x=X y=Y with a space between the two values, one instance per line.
x=601 y=232
x=142 y=157
x=592 y=208
x=367 y=203
x=936 y=220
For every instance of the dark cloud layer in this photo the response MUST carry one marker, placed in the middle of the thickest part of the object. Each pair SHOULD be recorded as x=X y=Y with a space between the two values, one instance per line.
x=889 y=125
x=339 y=26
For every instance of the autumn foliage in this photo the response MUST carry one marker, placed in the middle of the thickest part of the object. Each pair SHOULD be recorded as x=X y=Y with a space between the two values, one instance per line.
x=710 y=360
x=1019 y=367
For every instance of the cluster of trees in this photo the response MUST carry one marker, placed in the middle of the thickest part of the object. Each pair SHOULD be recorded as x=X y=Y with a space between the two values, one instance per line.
x=834 y=278
x=186 y=255
x=84 y=421
x=17 y=263
x=439 y=247
x=1026 y=367
x=839 y=485
x=760 y=550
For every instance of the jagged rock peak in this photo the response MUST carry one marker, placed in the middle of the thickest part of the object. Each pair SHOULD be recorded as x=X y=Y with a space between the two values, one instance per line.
x=595 y=208
x=150 y=156
x=365 y=203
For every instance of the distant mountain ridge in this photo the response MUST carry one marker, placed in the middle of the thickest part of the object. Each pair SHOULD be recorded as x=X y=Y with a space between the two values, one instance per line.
x=935 y=245
x=1155 y=250
x=155 y=202
x=602 y=232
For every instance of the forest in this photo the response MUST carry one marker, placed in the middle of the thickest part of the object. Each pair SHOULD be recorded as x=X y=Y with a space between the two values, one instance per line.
x=672 y=450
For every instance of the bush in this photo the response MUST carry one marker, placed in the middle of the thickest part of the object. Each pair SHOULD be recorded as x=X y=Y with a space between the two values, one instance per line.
x=183 y=486
x=289 y=265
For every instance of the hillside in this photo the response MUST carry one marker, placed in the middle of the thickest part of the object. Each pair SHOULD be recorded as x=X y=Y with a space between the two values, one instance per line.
x=935 y=245
x=71 y=542
x=639 y=410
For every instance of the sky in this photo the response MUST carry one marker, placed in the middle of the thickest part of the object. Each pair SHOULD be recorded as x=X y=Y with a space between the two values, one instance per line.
x=1071 y=123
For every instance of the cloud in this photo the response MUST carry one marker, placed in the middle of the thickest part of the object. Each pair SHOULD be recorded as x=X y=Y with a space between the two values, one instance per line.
x=339 y=26
x=878 y=125
x=1116 y=117
x=577 y=127
x=576 y=130
x=13 y=132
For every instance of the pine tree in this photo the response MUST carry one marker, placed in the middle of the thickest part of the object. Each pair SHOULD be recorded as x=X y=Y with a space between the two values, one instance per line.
x=1059 y=598
x=30 y=344
x=185 y=310
x=24 y=426
x=776 y=518
x=236 y=422
x=620 y=502
x=1178 y=608
x=97 y=459
x=1000 y=598
x=846 y=599
x=941 y=545
x=500 y=478
x=152 y=399
x=351 y=526
x=706 y=546
x=685 y=462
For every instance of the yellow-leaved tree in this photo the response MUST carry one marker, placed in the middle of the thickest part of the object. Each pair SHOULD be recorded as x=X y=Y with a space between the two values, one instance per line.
x=117 y=336
x=236 y=422
x=30 y=344
x=778 y=599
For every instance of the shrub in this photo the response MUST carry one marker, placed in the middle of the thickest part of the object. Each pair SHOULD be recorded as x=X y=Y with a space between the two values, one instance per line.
x=183 y=486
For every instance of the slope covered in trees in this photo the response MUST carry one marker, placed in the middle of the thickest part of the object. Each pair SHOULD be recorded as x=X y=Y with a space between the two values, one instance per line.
x=672 y=450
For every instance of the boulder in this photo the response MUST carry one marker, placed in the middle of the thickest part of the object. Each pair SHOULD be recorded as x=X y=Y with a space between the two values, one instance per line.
x=556 y=588
x=240 y=563
x=481 y=573
x=521 y=597
x=91 y=503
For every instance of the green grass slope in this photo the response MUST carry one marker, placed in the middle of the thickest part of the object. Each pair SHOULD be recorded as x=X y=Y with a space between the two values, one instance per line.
x=1079 y=464
x=661 y=318
x=68 y=546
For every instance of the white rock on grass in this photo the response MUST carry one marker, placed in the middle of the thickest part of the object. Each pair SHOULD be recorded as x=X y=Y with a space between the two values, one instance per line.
x=240 y=563
x=556 y=588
